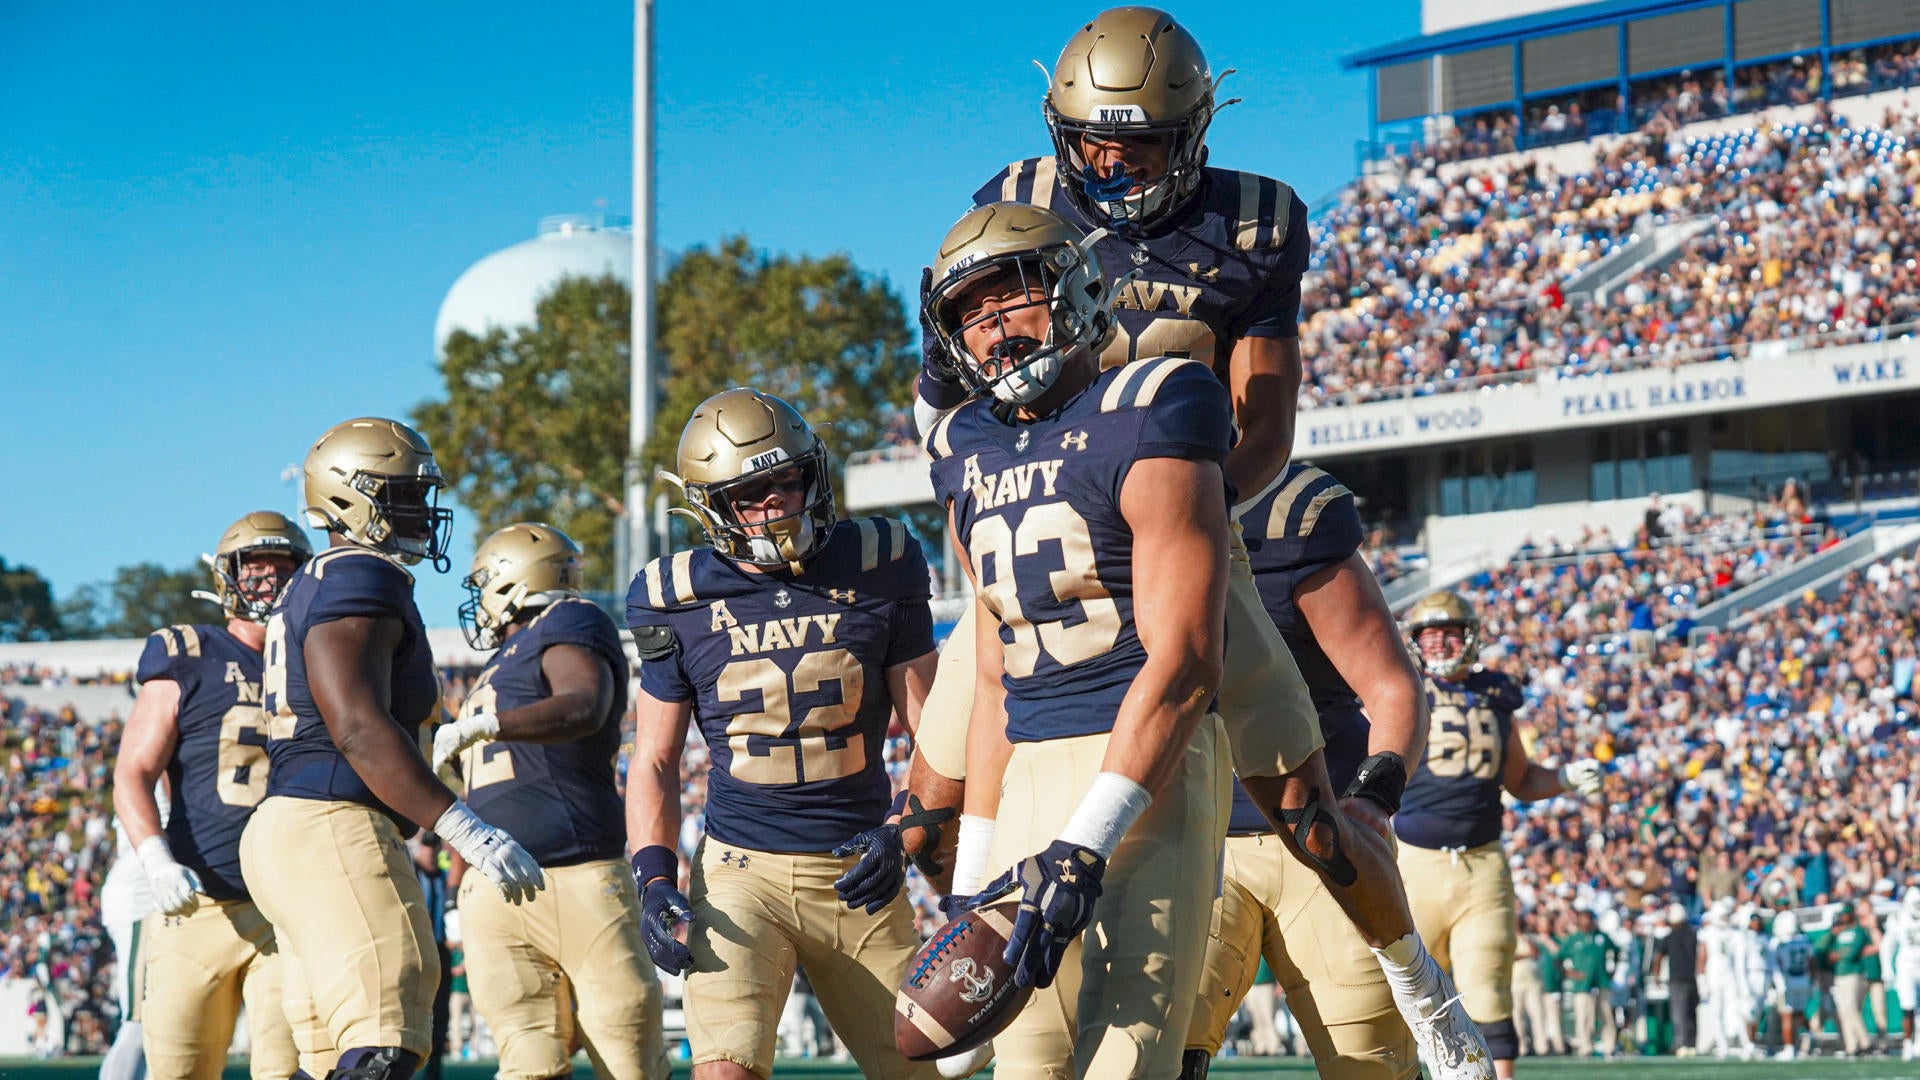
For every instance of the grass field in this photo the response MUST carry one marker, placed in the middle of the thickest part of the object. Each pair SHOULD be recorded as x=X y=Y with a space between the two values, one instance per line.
x=1241 y=1069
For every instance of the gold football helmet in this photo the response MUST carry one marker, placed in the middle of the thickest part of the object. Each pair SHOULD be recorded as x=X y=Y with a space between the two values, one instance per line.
x=517 y=568
x=375 y=482
x=1044 y=251
x=739 y=445
x=260 y=531
x=1444 y=609
x=1131 y=73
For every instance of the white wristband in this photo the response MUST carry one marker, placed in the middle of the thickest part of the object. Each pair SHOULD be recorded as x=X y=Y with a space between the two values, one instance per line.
x=155 y=855
x=970 y=854
x=1105 y=814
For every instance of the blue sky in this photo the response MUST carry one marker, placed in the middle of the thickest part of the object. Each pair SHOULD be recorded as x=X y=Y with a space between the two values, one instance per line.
x=224 y=227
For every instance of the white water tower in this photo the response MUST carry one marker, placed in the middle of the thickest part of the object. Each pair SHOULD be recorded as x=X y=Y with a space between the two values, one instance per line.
x=502 y=289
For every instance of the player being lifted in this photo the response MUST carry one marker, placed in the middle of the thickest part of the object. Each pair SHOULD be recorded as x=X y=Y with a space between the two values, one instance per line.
x=1212 y=261
x=1091 y=513
x=1304 y=542
x=199 y=723
x=535 y=741
x=349 y=682
x=792 y=640
x=1449 y=820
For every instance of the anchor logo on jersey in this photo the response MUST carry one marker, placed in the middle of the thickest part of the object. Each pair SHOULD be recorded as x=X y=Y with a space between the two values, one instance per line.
x=782 y=599
x=1140 y=256
x=1020 y=444
x=976 y=984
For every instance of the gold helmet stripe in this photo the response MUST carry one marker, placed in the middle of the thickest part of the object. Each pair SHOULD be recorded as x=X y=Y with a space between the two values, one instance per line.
x=683 y=577
x=896 y=539
x=1117 y=390
x=655 y=599
x=1151 y=386
x=1283 y=502
x=869 y=543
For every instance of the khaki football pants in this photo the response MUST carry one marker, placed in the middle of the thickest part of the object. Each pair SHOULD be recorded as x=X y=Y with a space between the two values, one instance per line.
x=1273 y=906
x=1464 y=907
x=1124 y=996
x=758 y=913
x=569 y=961
x=359 y=962
x=199 y=969
x=1271 y=725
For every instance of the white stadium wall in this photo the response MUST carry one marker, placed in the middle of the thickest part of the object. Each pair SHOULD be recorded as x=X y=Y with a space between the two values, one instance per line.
x=1438 y=15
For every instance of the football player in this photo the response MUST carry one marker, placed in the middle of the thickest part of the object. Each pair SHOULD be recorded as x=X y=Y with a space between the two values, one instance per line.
x=1449 y=820
x=349 y=682
x=126 y=900
x=1090 y=511
x=1305 y=538
x=535 y=742
x=791 y=639
x=1903 y=962
x=1789 y=978
x=1204 y=263
x=199 y=723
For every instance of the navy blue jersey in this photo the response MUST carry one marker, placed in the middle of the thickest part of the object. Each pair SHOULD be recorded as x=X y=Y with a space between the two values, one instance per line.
x=218 y=772
x=1453 y=797
x=788 y=678
x=1305 y=522
x=340 y=583
x=557 y=799
x=1227 y=266
x=1037 y=508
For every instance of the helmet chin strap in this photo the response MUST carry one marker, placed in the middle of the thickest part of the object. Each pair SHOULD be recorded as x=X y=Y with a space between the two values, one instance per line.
x=789 y=541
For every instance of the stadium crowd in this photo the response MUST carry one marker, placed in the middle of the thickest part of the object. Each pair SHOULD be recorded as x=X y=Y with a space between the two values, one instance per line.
x=1440 y=284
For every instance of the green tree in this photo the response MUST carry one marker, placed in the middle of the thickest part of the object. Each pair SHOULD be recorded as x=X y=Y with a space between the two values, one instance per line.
x=27 y=611
x=534 y=423
x=146 y=596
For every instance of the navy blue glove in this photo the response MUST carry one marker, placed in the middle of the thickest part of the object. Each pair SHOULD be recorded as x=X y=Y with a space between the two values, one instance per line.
x=939 y=384
x=663 y=907
x=1057 y=888
x=877 y=877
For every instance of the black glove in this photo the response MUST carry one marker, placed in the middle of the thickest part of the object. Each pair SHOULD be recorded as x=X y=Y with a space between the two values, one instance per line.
x=940 y=384
x=877 y=877
x=663 y=907
x=1058 y=888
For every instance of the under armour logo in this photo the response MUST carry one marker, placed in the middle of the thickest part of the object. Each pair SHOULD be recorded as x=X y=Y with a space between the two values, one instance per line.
x=1020 y=443
x=1206 y=275
x=840 y=596
x=736 y=859
x=977 y=985
x=1067 y=876
x=1074 y=440
x=782 y=599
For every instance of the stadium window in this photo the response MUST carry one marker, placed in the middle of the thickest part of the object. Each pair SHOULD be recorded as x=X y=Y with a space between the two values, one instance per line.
x=1681 y=97
x=1488 y=478
x=1635 y=461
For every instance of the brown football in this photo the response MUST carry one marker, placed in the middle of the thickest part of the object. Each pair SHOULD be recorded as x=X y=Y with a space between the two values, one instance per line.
x=959 y=992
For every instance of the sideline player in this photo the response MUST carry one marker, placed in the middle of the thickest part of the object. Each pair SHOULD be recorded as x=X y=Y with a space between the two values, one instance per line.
x=1449 y=821
x=198 y=722
x=126 y=902
x=349 y=682
x=1902 y=951
x=1789 y=979
x=1213 y=261
x=1305 y=538
x=792 y=640
x=535 y=742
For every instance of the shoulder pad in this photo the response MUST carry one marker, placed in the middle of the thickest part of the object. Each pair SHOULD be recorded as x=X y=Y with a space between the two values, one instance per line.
x=1262 y=210
x=1140 y=381
x=1500 y=690
x=939 y=441
x=666 y=584
x=1031 y=181
x=340 y=559
x=883 y=541
x=655 y=641
x=182 y=640
x=1302 y=499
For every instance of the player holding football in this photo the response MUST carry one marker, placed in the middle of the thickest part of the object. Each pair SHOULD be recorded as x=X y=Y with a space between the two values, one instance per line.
x=198 y=722
x=1090 y=510
x=535 y=740
x=792 y=639
x=1214 y=259
x=1449 y=821
x=349 y=682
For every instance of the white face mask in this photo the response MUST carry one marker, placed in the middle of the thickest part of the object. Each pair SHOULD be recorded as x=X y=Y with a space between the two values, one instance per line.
x=765 y=549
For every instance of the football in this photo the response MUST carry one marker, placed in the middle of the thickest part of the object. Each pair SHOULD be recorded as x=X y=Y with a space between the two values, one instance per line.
x=959 y=992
